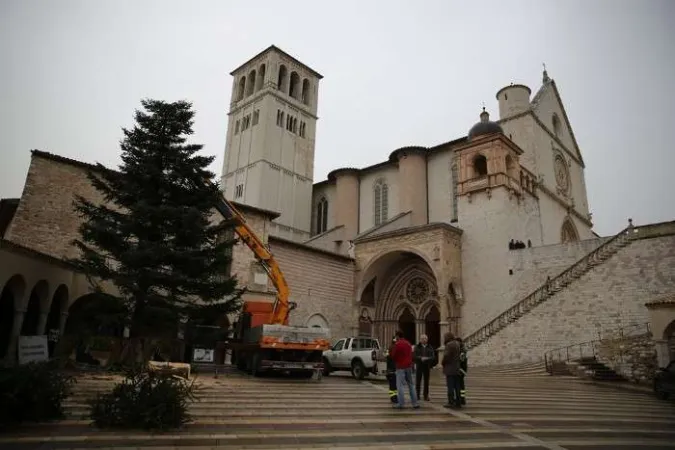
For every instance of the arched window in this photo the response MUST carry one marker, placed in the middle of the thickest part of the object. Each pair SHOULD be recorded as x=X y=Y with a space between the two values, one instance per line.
x=556 y=124
x=322 y=216
x=510 y=166
x=250 y=83
x=568 y=233
x=242 y=88
x=381 y=202
x=479 y=166
x=294 y=89
x=281 y=79
x=261 y=78
x=305 y=91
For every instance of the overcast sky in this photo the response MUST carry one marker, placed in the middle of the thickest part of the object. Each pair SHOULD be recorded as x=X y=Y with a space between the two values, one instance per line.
x=396 y=73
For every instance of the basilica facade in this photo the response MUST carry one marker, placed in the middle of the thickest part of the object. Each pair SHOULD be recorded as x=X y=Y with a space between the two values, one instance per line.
x=457 y=236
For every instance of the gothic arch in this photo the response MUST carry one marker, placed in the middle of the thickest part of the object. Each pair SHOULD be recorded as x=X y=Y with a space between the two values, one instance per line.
x=407 y=281
x=379 y=259
x=568 y=232
x=317 y=320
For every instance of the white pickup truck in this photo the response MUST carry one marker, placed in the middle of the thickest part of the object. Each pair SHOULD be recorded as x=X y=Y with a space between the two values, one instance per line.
x=357 y=354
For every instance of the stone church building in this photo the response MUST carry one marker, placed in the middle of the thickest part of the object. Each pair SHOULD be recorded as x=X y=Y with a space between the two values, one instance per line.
x=488 y=235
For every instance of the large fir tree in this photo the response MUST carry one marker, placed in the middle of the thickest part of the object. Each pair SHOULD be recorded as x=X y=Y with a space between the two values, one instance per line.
x=154 y=237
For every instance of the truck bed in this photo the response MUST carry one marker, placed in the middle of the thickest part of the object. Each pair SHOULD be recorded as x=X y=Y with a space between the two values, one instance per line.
x=268 y=335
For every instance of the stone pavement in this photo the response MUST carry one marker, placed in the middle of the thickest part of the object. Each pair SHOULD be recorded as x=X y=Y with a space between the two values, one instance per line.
x=508 y=408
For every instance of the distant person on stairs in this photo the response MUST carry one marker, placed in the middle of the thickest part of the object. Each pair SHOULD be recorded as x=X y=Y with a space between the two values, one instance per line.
x=451 y=371
x=402 y=355
x=425 y=359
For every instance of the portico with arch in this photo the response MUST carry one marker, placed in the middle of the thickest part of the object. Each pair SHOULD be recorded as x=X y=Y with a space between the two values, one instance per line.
x=409 y=280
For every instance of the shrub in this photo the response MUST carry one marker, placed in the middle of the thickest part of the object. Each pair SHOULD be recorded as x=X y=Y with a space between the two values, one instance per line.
x=33 y=392
x=144 y=399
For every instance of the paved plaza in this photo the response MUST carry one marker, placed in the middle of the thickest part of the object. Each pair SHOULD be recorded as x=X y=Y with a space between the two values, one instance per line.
x=507 y=409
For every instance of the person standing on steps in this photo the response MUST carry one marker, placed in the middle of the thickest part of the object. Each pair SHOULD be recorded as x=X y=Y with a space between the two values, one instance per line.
x=463 y=368
x=425 y=359
x=391 y=374
x=402 y=355
x=451 y=370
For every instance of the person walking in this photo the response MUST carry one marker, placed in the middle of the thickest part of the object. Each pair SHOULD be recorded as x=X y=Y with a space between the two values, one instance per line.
x=425 y=359
x=402 y=355
x=451 y=370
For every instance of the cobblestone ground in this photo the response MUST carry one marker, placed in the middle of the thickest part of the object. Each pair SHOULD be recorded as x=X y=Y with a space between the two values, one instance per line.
x=506 y=409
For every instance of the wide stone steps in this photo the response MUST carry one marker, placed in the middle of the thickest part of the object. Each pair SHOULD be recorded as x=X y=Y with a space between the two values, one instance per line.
x=512 y=406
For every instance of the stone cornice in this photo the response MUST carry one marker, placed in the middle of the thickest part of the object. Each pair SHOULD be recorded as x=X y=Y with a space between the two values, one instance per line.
x=283 y=53
x=409 y=230
x=271 y=90
x=309 y=248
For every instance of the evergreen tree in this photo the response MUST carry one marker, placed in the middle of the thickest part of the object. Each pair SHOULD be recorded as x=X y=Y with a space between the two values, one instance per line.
x=154 y=236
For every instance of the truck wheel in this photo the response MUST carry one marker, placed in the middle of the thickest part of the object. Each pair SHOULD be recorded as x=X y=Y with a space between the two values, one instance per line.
x=326 y=367
x=254 y=364
x=358 y=370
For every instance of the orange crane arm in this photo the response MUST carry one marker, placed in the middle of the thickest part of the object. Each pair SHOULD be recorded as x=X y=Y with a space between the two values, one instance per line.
x=282 y=306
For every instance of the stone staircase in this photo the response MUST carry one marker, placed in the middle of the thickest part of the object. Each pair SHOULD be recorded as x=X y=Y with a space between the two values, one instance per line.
x=590 y=367
x=552 y=286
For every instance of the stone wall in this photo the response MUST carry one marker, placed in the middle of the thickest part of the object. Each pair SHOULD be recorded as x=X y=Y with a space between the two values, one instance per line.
x=531 y=266
x=633 y=357
x=320 y=282
x=610 y=296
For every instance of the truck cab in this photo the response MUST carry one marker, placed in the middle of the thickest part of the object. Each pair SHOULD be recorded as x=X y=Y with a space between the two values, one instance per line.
x=359 y=355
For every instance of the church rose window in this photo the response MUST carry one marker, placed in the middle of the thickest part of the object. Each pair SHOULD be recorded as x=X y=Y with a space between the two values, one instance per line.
x=417 y=290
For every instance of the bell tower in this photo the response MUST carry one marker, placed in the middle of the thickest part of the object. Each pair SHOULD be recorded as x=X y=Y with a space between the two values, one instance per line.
x=269 y=149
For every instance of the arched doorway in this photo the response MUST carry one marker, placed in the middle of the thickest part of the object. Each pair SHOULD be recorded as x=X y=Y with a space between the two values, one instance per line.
x=58 y=306
x=669 y=337
x=38 y=297
x=11 y=294
x=403 y=287
x=432 y=326
x=406 y=324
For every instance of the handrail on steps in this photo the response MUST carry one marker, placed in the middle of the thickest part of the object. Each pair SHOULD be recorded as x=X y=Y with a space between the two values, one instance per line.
x=587 y=349
x=541 y=293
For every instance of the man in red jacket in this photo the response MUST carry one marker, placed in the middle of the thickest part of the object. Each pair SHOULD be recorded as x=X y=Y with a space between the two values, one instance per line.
x=402 y=355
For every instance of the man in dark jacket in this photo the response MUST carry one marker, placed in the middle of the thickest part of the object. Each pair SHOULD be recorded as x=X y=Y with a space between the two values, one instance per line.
x=463 y=368
x=425 y=359
x=391 y=374
x=451 y=370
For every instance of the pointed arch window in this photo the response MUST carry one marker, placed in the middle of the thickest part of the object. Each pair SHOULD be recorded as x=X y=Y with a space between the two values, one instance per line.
x=381 y=202
x=555 y=120
x=568 y=233
x=322 y=216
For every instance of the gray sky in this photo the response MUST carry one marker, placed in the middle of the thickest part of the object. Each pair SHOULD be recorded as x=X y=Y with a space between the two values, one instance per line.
x=396 y=73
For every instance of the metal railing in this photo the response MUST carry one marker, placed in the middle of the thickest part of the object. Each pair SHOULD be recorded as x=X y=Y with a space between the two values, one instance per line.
x=588 y=349
x=543 y=292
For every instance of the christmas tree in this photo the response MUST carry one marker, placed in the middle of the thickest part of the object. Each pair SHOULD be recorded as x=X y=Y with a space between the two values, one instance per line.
x=156 y=236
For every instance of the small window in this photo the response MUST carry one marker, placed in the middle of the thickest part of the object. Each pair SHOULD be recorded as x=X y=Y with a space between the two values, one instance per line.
x=480 y=168
x=280 y=118
x=256 y=117
x=236 y=127
x=239 y=191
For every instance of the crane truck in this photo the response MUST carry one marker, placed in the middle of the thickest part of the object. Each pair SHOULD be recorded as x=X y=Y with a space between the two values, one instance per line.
x=263 y=340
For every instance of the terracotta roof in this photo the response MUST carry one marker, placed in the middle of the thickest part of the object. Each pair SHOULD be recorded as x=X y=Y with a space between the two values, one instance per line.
x=73 y=162
x=668 y=299
x=25 y=251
